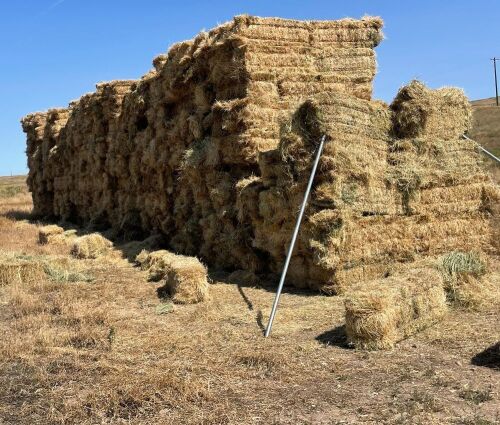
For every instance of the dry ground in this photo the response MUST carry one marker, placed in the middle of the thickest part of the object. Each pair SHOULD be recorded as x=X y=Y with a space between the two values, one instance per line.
x=101 y=352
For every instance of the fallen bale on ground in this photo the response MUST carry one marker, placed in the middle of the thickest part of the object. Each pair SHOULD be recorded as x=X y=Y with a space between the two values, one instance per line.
x=17 y=269
x=54 y=234
x=90 y=246
x=185 y=278
x=384 y=311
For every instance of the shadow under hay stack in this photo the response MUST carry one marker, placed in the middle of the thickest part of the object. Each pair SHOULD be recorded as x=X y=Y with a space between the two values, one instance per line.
x=213 y=148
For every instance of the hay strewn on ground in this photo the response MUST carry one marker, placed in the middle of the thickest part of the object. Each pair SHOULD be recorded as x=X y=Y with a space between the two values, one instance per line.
x=212 y=149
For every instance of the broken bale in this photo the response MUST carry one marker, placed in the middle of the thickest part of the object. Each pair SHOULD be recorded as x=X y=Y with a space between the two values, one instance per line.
x=467 y=283
x=185 y=278
x=49 y=234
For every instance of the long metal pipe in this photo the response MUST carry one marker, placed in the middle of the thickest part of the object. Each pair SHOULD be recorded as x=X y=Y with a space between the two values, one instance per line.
x=294 y=236
x=487 y=152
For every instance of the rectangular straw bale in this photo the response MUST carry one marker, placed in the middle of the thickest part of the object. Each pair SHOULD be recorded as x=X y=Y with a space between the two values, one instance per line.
x=398 y=238
x=448 y=200
x=382 y=312
x=15 y=270
x=47 y=234
x=421 y=112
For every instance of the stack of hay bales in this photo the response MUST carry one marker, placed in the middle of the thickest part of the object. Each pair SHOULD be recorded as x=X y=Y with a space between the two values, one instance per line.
x=213 y=149
x=166 y=152
x=350 y=183
x=43 y=130
x=82 y=187
x=378 y=199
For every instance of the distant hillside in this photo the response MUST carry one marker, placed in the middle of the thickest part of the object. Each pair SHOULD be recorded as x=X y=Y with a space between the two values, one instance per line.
x=486 y=129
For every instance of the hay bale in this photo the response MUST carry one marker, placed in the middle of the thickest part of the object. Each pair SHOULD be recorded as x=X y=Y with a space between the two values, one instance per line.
x=185 y=278
x=382 y=312
x=421 y=112
x=90 y=246
x=155 y=263
x=137 y=250
x=19 y=269
x=49 y=234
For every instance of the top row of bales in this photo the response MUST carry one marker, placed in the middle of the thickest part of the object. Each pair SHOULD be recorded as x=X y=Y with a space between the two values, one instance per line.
x=212 y=149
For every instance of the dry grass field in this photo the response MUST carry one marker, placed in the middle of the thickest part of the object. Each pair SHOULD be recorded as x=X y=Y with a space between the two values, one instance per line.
x=93 y=343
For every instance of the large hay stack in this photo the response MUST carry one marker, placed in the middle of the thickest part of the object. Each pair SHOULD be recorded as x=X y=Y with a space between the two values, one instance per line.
x=213 y=147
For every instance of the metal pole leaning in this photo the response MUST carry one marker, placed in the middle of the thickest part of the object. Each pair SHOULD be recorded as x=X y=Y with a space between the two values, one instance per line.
x=487 y=152
x=294 y=236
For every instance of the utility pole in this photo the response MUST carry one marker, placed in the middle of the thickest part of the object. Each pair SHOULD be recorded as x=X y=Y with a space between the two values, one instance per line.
x=495 y=70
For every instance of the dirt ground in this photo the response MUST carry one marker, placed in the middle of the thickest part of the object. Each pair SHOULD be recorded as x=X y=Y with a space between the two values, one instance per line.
x=105 y=351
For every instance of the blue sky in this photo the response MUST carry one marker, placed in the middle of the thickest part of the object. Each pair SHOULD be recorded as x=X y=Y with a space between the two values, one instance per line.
x=53 y=51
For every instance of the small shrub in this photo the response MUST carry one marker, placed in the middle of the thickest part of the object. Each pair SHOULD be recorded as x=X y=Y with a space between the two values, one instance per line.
x=10 y=191
x=476 y=396
x=462 y=272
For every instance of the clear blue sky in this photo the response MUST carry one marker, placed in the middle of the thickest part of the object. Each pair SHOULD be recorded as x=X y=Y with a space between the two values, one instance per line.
x=53 y=51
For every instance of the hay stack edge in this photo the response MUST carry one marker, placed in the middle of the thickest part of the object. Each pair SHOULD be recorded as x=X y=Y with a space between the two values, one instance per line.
x=212 y=149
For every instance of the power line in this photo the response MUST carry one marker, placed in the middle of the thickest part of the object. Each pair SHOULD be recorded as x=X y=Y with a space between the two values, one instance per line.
x=495 y=71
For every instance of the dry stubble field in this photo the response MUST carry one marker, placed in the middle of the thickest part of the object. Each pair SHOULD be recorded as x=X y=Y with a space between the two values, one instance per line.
x=96 y=348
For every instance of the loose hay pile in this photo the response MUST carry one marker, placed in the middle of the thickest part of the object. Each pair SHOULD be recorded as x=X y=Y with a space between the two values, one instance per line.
x=185 y=278
x=212 y=149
